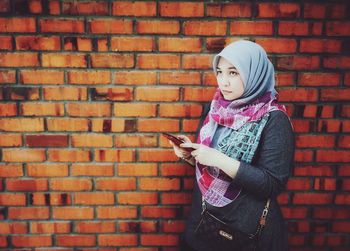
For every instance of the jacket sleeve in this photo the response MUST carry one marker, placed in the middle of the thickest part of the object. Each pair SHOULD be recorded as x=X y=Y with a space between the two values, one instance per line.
x=268 y=173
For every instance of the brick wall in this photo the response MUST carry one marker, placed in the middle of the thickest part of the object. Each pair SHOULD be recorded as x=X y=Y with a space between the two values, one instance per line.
x=86 y=87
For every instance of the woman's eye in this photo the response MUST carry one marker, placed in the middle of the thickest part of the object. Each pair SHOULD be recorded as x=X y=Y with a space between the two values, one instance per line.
x=218 y=72
x=233 y=73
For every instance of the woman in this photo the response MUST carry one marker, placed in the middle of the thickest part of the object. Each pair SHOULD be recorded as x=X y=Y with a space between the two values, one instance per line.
x=244 y=151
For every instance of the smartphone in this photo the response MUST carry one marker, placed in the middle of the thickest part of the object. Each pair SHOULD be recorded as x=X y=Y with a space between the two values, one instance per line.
x=177 y=141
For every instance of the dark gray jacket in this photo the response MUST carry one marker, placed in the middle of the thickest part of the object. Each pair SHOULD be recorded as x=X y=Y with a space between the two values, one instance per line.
x=264 y=178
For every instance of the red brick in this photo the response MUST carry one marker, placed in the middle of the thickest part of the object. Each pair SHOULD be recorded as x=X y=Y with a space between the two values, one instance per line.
x=337 y=28
x=94 y=198
x=54 y=7
x=158 y=125
x=331 y=213
x=298 y=184
x=319 y=170
x=229 y=10
x=159 y=212
x=112 y=61
x=173 y=226
x=137 y=169
x=157 y=94
x=180 y=45
x=251 y=28
x=277 y=10
x=203 y=62
x=295 y=212
x=64 y=60
x=205 y=28
x=89 y=77
x=319 y=79
x=8 y=110
x=13 y=228
x=116 y=184
x=47 y=170
x=117 y=212
x=298 y=63
x=325 y=184
x=183 y=9
x=132 y=44
x=176 y=169
x=23 y=155
x=27 y=184
x=5 y=6
x=64 y=93
x=95 y=227
x=76 y=240
x=46 y=140
x=137 y=198
x=91 y=140
x=12 y=199
x=68 y=155
x=320 y=46
x=135 y=78
x=333 y=156
x=42 y=109
x=73 y=213
x=330 y=126
x=89 y=109
x=199 y=94
x=173 y=110
x=134 y=110
x=303 y=155
x=336 y=62
x=159 y=240
x=110 y=26
x=67 y=124
x=278 y=45
x=50 y=227
x=138 y=9
x=38 y=43
x=117 y=240
x=143 y=227
x=65 y=184
x=31 y=241
x=87 y=8
x=22 y=59
x=114 y=155
x=342 y=199
x=92 y=170
x=22 y=125
x=295 y=95
x=314 y=10
x=157 y=27
x=312 y=198
x=180 y=78
x=159 y=184
x=163 y=61
x=17 y=24
x=113 y=94
x=41 y=77
x=176 y=198
x=28 y=213
x=287 y=28
x=6 y=43
x=335 y=95
x=62 y=25
x=135 y=141
x=10 y=170
x=341 y=227
x=315 y=141
x=7 y=77
x=344 y=141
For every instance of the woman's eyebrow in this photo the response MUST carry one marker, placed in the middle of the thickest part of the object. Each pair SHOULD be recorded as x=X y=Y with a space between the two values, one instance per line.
x=230 y=68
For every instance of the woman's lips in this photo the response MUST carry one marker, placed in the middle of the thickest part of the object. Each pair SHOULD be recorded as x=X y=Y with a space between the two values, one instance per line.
x=226 y=92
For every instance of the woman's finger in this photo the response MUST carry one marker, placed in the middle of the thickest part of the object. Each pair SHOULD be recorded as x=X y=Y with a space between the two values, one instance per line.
x=190 y=145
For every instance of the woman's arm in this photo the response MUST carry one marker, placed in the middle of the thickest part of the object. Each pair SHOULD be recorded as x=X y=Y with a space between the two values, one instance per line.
x=273 y=162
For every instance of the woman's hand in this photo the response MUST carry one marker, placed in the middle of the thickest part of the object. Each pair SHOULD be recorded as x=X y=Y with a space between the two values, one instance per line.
x=211 y=157
x=180 y=151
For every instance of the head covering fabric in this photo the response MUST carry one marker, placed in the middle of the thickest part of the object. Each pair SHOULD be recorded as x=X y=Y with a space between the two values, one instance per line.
x=258 y=99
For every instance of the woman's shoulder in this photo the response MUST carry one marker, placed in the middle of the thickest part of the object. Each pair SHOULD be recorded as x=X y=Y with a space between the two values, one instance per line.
x=279 y=119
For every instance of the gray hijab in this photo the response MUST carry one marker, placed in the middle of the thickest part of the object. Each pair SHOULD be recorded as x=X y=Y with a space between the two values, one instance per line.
x=254 y=67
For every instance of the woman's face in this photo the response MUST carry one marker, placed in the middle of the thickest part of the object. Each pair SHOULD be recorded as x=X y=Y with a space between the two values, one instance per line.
x=229 y=80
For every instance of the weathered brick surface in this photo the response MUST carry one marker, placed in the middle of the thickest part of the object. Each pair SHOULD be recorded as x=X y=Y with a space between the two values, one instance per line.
x=87 y=87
